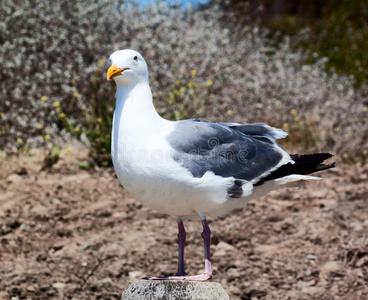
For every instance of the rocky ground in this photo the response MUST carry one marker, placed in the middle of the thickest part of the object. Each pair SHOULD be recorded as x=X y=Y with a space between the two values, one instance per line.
x=68 y=233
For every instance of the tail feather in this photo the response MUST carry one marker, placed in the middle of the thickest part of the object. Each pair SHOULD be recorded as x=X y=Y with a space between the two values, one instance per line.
x=304 y=164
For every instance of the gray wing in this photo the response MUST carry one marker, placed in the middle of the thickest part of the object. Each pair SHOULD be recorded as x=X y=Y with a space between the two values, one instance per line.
x=243 y=151
x=257 y=129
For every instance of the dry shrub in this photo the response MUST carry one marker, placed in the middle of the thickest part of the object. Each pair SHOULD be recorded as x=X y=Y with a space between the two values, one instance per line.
x=60 y=50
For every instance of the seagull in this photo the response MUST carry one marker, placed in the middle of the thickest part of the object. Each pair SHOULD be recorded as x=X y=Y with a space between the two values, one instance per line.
x=194 y=167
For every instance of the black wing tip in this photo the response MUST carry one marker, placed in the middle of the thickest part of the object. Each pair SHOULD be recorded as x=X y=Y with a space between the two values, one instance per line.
x=303 y=164
x=314 y=156
x=322 y=167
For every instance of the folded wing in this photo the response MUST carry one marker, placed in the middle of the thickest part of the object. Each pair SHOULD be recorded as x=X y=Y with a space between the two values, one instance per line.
x=247 y=152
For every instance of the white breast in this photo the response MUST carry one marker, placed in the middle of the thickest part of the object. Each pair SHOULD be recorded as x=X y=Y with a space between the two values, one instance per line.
x=144 y=163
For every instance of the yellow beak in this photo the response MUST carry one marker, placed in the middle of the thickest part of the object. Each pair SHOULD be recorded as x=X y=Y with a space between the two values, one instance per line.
x=113 y=71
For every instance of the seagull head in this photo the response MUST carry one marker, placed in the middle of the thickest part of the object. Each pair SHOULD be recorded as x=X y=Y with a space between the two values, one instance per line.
x=127 y=68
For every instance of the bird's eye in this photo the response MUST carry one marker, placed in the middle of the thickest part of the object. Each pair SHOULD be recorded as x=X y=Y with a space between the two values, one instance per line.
x=110 y=61
x=135 y=58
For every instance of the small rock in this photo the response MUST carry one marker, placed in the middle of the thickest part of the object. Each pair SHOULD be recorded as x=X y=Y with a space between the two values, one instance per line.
x=362 y=262
x=40 y=210
x=120 y=215
x=308 y=273
x=232 y=273
x=116 y=267
x=14 y=178
x=21 y=171
x=59 y=285
x=11 y=274
x=318 y=194
x=328 y=268
x=312 y=290
x=114 y=250
x=135 y=274
x=356 y=226
x=31 y=288
x=311 y=257
x=223 y=248
x=23 y=227
x=4 y=296
x=363 y=177
x=106 y=280
x=235 y=290
x=331 y=266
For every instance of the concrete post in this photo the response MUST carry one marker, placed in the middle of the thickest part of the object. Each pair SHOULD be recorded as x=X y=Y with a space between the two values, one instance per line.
x=174 y=289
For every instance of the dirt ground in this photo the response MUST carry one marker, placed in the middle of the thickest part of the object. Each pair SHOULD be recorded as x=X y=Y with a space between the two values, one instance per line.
x=75 y=234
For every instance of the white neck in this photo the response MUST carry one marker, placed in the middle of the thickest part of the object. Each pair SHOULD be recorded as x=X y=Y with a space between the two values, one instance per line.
x=134 y=115
x=136 y=100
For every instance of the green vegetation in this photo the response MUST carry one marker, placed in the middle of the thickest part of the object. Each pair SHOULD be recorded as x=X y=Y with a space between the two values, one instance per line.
x=51 y=158
x=186 y=96
x=94 y=120
x=340 y=33
x=336 y=29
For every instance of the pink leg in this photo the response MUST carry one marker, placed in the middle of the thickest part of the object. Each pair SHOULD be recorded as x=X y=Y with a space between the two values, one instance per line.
x=206 y=235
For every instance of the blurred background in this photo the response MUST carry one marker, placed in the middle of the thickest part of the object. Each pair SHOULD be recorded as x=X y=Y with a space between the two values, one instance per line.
x=68 y=229
x=297 y=65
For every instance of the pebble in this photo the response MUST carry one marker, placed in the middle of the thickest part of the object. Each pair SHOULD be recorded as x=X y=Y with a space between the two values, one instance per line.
x=235 y=290
x=106 y=280
x=362 y=261
x=21 y=171
x=40 y=210
x=318 y=194
x=59 y=285
x=223 y=248
x=135 y=274
x=311 y=257
x=23 y=227
x=113 y=249
x=31 y=288
x=331 y=266
x=232 y=273
x=327 y=268
x=120 y=215
x=115 y=268
x=14 y=178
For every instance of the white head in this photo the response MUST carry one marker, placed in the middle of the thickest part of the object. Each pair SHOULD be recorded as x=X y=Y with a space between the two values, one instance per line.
x=128 y=68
